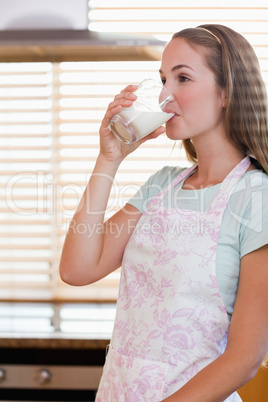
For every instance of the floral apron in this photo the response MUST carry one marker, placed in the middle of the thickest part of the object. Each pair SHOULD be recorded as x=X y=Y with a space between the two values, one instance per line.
x=171 y=321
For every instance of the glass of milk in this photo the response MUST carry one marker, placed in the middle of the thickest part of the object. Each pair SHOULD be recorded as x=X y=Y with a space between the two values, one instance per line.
x=145 y=115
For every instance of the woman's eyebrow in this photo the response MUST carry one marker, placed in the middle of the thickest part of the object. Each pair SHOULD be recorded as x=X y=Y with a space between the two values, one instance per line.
x=177 y=67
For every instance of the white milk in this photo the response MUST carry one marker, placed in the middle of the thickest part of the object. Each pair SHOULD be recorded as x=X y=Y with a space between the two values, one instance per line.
x=131 y=125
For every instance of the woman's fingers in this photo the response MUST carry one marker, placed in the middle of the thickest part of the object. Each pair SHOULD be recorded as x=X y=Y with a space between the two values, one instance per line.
x=129 y=88
x=127 y=94
x=124 y=99
x=119 y=102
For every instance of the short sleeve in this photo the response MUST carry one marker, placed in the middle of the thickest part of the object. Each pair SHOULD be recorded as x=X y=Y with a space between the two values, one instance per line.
x=254 y=223
x=153 y=186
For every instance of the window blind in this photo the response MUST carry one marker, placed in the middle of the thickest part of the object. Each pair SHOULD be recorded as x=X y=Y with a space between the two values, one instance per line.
x=26 y=224
x=49 y=120
x=50 y=117
x=78 y=319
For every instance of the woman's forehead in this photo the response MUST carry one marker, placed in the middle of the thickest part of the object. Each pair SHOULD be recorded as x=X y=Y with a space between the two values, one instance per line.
x=179 y=52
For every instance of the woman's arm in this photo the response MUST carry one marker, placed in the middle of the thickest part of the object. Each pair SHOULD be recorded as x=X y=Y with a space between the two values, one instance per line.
x=94 y=248
x=247 y=341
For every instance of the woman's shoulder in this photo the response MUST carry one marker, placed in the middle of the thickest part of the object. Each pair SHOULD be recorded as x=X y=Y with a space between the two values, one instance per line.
x=248 y=203
x=250 y=190
x=154 y=185
x=252 y=181
x=249 y=210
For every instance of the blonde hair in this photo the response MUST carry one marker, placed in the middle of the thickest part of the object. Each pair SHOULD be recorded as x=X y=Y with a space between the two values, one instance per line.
x=236 y=67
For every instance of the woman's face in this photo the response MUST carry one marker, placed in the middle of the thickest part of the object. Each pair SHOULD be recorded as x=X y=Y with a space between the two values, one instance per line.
x=198 y=101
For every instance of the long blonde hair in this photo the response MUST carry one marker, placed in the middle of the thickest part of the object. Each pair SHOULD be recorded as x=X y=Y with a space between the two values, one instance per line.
x=235 y=65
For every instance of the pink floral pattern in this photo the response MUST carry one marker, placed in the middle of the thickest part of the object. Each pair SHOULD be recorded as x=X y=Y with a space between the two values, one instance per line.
x=171 y=321
x=142 y=380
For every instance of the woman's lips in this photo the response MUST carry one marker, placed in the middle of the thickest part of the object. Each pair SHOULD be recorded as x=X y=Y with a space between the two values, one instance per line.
x=167 y=110
x=173 y=117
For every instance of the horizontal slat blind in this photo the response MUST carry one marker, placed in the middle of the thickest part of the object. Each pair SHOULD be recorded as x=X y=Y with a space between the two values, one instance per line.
x=162 y=19
x=27 y=255
x=78 y=319
x=49 y=120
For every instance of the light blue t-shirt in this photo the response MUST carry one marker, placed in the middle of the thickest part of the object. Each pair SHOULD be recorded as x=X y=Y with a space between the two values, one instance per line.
x=244 y=226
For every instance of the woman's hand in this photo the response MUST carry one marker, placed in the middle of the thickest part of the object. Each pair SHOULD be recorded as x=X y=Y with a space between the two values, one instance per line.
x=111 y=148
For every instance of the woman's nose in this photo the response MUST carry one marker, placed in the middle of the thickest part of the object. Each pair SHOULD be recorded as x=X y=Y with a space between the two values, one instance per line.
x=165 y=97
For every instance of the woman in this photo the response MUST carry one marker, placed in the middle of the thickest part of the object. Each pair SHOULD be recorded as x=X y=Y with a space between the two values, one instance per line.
x=184 y=329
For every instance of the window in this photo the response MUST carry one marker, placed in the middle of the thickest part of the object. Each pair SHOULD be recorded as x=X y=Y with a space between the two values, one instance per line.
x=49 y=120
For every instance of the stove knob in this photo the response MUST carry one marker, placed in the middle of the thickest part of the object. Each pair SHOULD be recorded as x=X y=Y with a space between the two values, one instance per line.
x=44 y=376
x=2 y=375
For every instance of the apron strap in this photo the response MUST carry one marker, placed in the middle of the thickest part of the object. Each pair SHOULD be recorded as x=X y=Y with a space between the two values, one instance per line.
x=227 y=186
x=222 y=195
x=162 y=194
